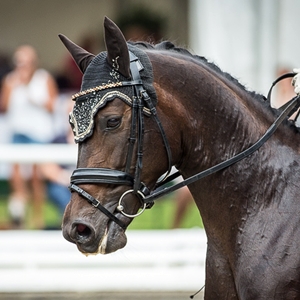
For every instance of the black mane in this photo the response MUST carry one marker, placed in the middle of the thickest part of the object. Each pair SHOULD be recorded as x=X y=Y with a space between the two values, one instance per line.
x=168 y=46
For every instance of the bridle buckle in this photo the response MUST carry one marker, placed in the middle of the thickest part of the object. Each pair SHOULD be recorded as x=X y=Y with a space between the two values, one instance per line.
x=97 y=204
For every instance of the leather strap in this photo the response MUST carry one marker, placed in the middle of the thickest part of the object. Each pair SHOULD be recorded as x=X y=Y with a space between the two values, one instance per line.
x=289 y=108
x=284 y=76
x=96 y=204
x=101 y=175
x=109 y=176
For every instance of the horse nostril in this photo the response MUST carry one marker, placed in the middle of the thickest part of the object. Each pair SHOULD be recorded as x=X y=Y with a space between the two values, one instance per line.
x=82 y=233
x=83 y=230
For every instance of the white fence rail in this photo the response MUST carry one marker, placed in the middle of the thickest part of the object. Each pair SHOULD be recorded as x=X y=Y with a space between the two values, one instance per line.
x=36 y=153
x=42 y=261
x=163 y=260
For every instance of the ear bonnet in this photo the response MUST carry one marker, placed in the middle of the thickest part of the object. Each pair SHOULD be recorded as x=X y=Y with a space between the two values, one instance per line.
x=102 y=83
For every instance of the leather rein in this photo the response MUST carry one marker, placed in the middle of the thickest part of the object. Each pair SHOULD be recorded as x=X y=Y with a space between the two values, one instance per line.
x=147 y=197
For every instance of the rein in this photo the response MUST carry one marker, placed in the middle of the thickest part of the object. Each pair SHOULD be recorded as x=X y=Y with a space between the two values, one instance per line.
x=110 y=176
x=288 y=109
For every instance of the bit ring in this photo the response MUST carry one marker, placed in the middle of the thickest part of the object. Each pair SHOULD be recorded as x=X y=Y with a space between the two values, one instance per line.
x=120 y=207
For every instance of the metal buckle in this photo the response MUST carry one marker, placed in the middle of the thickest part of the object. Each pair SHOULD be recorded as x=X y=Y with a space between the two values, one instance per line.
x=96 y=205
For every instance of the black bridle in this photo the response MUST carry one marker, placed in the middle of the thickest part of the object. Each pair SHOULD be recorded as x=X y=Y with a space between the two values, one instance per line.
x=141 y=99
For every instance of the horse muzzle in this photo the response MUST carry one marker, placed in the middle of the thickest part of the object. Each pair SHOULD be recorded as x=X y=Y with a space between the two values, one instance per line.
x=90 y=240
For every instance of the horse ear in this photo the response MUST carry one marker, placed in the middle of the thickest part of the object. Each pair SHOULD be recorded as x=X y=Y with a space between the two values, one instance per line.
x=116 y=46
x=81 y=56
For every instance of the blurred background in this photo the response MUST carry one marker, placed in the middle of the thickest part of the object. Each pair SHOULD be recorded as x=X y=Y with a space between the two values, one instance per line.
x=249 y=38
x=253 y=40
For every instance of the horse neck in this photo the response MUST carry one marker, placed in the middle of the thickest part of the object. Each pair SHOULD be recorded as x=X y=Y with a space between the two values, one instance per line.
x=210 y=120
x=216 y=118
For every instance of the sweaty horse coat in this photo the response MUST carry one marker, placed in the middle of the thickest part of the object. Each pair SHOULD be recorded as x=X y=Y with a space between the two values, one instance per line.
x=250 y=210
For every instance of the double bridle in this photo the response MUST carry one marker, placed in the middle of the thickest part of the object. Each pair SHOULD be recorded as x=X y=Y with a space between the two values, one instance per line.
x=141 y=100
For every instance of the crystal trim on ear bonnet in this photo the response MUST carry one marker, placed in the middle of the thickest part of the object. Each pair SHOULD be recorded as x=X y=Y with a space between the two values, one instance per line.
x=99 y=87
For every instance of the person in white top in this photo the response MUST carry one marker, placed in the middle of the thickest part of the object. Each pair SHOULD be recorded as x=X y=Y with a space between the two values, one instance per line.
x=296 y=81
x=28 y=96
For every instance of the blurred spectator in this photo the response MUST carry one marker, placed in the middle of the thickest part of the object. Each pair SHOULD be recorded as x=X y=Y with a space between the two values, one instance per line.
x=70 y=76
x=284 y=89
x=57 y=177
x=5 y=67
x=140 y=24
x=284 y=92
x=28 y=95
x=57 y=181
x=183 y=199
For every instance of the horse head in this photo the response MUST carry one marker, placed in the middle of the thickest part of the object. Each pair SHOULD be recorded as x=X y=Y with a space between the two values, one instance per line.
x=114 y=171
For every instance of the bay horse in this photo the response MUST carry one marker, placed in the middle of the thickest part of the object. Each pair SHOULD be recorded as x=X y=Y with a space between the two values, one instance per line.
x=143 y=109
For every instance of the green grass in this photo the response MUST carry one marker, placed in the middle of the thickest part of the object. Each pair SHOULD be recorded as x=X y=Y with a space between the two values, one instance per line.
x=51 y=215
x=160 y=216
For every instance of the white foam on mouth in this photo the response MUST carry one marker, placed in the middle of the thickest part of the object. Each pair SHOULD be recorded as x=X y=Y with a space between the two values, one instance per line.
x=102 y=245
x=103 y=242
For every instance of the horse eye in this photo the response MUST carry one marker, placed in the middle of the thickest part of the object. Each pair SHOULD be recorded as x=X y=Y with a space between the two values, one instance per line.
x=113 y=122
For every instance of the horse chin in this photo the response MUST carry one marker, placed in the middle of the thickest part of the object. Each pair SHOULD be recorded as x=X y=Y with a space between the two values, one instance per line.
x=113 y=239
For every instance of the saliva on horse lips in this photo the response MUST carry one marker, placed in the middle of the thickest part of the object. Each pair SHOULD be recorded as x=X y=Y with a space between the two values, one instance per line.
x=144 y=108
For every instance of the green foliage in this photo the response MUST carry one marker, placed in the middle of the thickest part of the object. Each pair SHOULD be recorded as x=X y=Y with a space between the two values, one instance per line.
x=52 y=217
x=160 y=216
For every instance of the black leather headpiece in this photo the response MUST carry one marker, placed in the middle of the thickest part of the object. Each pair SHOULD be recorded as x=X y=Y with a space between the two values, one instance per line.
x=102 y=83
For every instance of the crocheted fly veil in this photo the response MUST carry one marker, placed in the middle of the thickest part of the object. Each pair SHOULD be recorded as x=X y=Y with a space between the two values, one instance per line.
x=102 y=82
